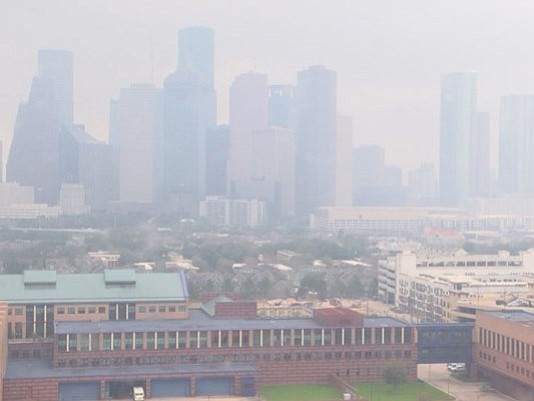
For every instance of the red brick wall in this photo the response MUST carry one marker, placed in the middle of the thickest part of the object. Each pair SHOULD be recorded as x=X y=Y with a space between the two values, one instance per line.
x=30 y=390
x=338 y=317
x=241 y=309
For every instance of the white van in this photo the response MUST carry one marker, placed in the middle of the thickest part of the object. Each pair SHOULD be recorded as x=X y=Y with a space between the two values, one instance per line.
x=138 y=394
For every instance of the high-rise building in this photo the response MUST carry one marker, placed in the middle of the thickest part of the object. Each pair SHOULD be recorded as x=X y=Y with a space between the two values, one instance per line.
x=86 y=161
x=316 y=140
x=1 y=162
x=480 y=172
x=272 y=170
x=38 y=125
x=422 y=185
x=217 y=144
x=138 y=129
x=516 y=144
x=282 y=106
x=458 y=130
x=248 y=111
x=195 y=51
x=368 y=164
x=344 y=162
x=189 y=110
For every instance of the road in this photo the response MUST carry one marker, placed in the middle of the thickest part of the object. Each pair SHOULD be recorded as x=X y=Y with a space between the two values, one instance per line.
x=439 y=376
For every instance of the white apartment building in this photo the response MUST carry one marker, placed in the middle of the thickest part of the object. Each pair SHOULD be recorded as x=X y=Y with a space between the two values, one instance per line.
x=234 y=212
x=423 y=286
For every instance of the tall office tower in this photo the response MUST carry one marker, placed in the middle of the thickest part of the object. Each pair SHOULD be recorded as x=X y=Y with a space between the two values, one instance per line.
x=33 y=156
x=282 y=106
x=315 y=178
x=138 y=131
x=480 y=171
x=392 y=176
x=189 y=110
x=422 y=185
x=344 y=162
x=458 y=130
x=272 y=171
x=195 y=51
x=86 y=161
x=217 y=143
x=1 y=162
x=516 y=144
x=368 y=164
x=248 y=110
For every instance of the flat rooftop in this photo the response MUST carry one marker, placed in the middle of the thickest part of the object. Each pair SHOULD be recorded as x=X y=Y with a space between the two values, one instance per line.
x=34 y=368
x=198 y=320
x=515 y=315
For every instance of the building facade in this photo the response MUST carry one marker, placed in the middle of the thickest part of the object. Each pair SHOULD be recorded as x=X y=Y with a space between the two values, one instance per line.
x=504 y=351
x=38 y=125
x=458 y=130
x=121 y=329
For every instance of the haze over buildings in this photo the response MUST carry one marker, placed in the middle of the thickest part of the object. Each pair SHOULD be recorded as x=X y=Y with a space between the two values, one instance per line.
x=287 y=143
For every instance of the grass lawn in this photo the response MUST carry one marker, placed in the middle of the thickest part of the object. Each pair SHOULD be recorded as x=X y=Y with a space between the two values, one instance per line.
x=300 y=392
x=410 y=391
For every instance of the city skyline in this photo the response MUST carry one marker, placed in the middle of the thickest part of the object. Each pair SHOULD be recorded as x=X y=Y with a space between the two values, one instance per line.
x=388 y=66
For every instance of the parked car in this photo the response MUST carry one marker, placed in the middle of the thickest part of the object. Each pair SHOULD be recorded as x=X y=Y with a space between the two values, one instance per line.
x=456 y=367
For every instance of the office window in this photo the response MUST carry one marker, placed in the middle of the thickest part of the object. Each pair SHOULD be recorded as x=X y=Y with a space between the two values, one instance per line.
x=91 y=309
x=128 y=341
x=203 y=339
x=101 y=309
x=116 y=341
x=162 y=309
x=60 y=310
x=141 y=309
x=138 y=340
x=193 y=335
x=171 y=339
x=150 y=340
x=84 y=342
x=106 y=345
x=161 y=340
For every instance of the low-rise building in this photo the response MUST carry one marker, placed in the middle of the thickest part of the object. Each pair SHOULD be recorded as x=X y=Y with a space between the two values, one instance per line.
x=504 y=351
x=99 y=335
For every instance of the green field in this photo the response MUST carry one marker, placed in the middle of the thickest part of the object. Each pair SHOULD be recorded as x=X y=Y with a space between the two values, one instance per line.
x=412 y=391
x=300 y=392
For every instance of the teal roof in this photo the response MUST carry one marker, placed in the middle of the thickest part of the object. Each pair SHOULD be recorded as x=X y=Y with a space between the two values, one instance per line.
x=111 y=285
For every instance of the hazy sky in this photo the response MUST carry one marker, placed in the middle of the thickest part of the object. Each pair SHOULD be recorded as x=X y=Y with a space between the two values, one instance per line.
x=389 y=54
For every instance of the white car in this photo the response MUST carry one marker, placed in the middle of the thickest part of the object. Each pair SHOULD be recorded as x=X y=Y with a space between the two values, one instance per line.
x=456 y=367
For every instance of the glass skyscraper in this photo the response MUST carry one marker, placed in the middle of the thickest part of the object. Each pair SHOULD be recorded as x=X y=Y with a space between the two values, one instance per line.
x=458 y=131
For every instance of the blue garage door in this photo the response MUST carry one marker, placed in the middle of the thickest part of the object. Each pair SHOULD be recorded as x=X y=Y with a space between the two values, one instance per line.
x=79 y=391
x=215 y=386
x=170 y=388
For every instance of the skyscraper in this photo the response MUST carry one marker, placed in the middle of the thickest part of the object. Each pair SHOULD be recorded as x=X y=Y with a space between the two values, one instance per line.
x=315 y=179
x=33 y=156
x=217 y=144
x=138 y=130
x=458 y=129
x=248 y=111
x=195 y=51
x=282 y=106
x=344 y=162
x=189 y=109
x=516 y=144
x=86 y=161
x=481 y=174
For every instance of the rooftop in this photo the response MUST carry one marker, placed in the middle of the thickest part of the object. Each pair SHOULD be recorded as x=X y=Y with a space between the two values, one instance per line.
x=515 y=315
x=198 y=320
x=46 y=286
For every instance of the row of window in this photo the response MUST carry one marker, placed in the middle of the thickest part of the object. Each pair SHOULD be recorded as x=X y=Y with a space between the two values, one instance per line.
x=228 y=358
x=507 y=345
x=520 y=370
x=232 y=338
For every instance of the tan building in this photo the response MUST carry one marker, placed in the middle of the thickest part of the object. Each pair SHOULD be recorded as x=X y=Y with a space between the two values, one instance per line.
x=504 y=351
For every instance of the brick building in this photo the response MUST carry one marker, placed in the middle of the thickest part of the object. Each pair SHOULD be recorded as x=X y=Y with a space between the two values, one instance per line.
x=95 y=336
x=504 y=351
